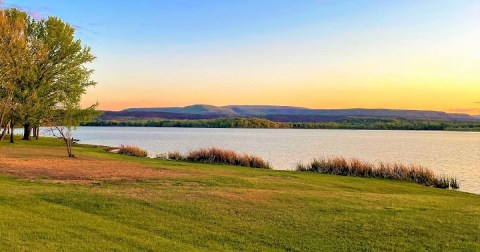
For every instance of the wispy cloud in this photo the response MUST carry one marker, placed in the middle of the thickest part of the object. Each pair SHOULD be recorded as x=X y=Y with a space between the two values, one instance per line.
x=44 y=12
x=466 y=110
x=37 y=14
x=87 y=29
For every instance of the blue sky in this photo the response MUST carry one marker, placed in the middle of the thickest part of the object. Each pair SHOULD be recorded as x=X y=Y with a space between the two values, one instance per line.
x=187 y=22
x=289 y=52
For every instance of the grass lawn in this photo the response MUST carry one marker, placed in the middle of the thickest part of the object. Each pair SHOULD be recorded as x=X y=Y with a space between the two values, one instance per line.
x=104 y=201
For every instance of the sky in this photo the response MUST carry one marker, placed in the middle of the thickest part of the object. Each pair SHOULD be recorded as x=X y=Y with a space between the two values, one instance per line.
x=403 y=54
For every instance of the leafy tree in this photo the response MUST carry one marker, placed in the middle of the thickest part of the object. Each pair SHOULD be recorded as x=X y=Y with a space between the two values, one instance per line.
x=41 y=63
x=66 y=120
x=13 y=57
x=43 y=74
x=60 y=73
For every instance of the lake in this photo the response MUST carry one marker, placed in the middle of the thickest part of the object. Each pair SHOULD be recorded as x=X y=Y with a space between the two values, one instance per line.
x=450 y=153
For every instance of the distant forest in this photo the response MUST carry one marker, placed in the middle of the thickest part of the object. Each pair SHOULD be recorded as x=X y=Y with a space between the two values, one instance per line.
x=251 y=122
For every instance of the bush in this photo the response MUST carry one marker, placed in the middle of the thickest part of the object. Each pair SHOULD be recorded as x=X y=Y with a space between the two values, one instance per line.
x=175 y=156
x=454 y=184
x=133 y=151
x=394 y=171
x=220 y=156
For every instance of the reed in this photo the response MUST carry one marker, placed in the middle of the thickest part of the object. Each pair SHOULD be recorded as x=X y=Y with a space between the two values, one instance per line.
x=176 y=155
x=454 y=184
x=133 y=151
x=220 y=156
x=395 y=171
x=217 y=155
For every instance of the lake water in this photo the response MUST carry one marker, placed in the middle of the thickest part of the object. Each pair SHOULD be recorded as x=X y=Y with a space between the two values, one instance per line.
x=450 y=153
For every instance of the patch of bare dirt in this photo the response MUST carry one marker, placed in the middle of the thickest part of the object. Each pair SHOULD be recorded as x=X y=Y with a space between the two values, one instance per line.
x=76 y=170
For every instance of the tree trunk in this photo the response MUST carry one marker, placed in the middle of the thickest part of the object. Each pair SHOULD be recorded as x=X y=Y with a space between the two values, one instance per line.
x=2 y=115
x=37 y=134
x=5 y=129
x=34 y=131
x=27 y=130
x=11 y=133
x=6 y=101
x=1 y=119
x=69 y=142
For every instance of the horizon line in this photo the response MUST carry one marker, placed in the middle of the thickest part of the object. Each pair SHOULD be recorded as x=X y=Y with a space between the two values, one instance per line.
x=291 y=106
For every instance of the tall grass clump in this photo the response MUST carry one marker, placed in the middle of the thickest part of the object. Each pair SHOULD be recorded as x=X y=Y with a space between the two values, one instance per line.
x=220 y=156
x=133 y=151
x=454 y=184
x=395 y=171
x=176 y=155
x=228 y=157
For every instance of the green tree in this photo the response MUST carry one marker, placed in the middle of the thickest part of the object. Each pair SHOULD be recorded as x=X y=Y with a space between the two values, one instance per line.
x=62 y=72
x=13 y=59
x=66 y=119
x=43 y=74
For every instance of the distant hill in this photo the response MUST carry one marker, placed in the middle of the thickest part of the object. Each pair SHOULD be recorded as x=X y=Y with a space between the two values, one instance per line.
x=280 y=113
x=193 y=109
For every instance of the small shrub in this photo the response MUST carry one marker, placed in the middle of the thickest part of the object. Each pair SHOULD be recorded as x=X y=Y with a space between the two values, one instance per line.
x=175 y=156
x=133 y=151
x=454 y=184
x=394 y=171
x=301 y=167
x=441 y=182
x=220 y=156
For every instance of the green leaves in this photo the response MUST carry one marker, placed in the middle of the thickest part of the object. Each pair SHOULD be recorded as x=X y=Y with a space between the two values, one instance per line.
x=42 y=73
x=52 y=71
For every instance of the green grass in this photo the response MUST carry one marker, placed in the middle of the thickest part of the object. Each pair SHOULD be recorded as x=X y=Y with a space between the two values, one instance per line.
x=220 y=207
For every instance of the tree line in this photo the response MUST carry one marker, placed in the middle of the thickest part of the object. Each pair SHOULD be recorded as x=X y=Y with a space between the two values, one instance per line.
x=237 y=122
x=43 y=75
x=251 y=122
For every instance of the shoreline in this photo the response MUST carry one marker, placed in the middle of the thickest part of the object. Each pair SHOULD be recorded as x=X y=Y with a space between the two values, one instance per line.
x=162 y=156
x=140 y=203
x=354 y=129
x=254 y=122
x=283 y=152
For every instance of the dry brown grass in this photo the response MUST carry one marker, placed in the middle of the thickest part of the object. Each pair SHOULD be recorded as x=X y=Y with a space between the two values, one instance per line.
x=133 y=151
x=217 y=155
x=80 y=170
x=174 y=155
x=220 y=156
x=394 y=171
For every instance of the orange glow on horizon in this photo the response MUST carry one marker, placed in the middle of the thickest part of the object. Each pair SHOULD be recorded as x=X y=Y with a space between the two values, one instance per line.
x=379 y=67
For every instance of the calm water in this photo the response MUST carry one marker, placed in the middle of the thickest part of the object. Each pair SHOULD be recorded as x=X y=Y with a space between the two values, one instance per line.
x=451 y=153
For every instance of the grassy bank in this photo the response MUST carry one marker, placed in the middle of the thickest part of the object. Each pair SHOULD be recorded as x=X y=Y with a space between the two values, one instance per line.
x=101 y=200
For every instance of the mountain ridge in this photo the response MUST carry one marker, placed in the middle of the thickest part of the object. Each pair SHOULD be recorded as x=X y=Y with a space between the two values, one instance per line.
x=286 y=112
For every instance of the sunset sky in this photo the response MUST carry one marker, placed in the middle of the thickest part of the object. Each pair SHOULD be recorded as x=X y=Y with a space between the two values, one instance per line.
x=311 y=53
